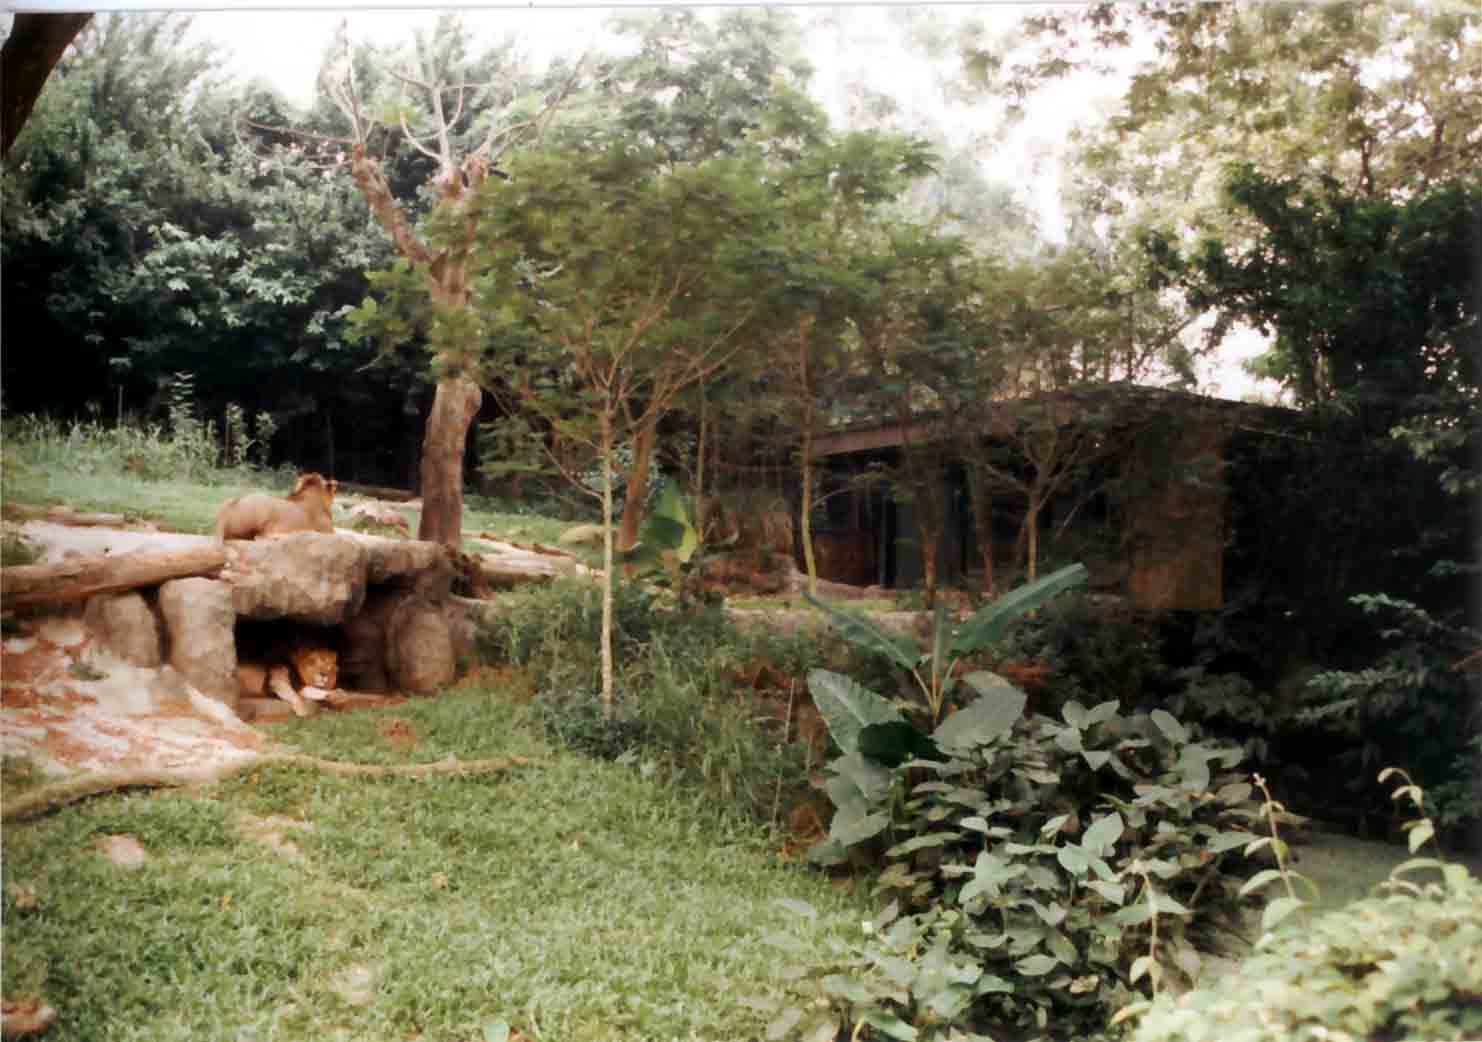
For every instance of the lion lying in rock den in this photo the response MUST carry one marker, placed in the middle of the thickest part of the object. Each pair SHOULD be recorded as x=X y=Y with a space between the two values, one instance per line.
x=298 y=673
x=305 y=509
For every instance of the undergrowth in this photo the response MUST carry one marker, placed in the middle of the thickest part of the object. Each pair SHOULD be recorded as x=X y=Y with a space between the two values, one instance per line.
x=685 y=707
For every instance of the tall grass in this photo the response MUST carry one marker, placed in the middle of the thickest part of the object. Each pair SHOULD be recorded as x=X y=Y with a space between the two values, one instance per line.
x=684 y=710
x=140 y=470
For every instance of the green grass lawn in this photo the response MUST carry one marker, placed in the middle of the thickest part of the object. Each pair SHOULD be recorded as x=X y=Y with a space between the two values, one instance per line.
x=190 y=506
x=572 y=899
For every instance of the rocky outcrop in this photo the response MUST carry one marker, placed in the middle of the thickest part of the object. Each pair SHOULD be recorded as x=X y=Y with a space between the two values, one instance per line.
x=397 y=625
x=313 y=577
x=201 y=622
x=126 y=625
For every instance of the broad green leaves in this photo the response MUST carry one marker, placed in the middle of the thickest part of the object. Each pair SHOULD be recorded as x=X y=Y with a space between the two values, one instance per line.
x=1078 y=846
x=863 y=633
x=933 y=670
x=993 y=713
x=988 y=624
x=847 y=707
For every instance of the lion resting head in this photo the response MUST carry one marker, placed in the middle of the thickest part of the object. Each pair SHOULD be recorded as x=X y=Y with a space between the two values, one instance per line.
x=300 y=674
x=316 y=666
x=305 y=509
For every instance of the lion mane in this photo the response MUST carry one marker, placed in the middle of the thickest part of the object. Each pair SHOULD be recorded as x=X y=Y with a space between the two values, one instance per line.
x=305 y=509
x=295 y=673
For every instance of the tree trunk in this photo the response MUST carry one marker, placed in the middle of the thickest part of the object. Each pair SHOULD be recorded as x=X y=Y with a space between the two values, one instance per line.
x=453 y=410
x=35 y=44
x=608 y=694
x=982 y=503
x=643 y=452
x=701 y=506
x=805 y=511
x=1031 y=537
x=79 y=578
x=929 y=541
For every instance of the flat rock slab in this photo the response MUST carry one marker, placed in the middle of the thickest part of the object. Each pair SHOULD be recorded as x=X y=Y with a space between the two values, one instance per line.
x=69 y=705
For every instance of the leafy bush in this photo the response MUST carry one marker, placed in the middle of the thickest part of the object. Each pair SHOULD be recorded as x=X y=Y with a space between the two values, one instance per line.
x=1095 y=651
x=1035 y=869
x=1040 y=870
x=1405 y=963
x=1418 y=701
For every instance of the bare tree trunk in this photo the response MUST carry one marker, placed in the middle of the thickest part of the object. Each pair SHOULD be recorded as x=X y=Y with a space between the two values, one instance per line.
x=929 y=540
x=643 y=453
x=699 y=492
x=805 y=510
x=982 y=503
x=1031 y=533
x=608 y=694
x=35 y=44
x=453 y=410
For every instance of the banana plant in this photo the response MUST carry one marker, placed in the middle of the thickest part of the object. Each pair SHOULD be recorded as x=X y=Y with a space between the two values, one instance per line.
x=934 y=670
x=875 y=737
x=669 y=543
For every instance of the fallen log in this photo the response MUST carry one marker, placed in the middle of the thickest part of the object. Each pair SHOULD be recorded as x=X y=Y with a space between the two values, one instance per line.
x=797 y=582
x=78 y=578
x=530 y=548
x=83 y=519
x=392 y=495
x=508 y=569
x=47 y=798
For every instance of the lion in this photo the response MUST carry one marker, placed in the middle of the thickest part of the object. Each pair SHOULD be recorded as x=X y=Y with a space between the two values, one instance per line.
x=305 y=509
x=299 y=673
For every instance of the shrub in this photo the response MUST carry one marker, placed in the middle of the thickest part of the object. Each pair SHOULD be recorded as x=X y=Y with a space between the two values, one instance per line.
x=1405 y=963
x=1035 y=869
x=1039 y=871
x=1418 y=701
x=1095 y=651
x=679 y=709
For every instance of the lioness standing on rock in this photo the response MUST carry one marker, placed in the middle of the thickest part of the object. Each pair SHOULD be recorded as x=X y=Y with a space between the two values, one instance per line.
x=305 y=509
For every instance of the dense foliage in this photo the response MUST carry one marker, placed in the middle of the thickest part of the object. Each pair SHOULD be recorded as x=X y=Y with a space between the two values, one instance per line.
x=1401 y=963
x=1036 y=869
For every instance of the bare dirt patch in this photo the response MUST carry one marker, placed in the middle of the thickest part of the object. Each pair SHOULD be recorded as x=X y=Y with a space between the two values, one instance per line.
x=270 y=831
x=398 y=732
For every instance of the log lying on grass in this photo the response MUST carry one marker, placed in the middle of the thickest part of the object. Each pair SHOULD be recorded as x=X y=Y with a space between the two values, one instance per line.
x=65 y=516
x=47 y=798
x=509 y=565
x=79 y=578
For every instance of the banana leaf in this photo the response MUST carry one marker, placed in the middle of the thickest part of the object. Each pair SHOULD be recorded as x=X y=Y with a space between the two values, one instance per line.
x=988 y=625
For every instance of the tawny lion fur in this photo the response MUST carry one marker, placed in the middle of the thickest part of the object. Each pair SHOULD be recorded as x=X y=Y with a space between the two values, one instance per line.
x=305 y=509
x=294 y=673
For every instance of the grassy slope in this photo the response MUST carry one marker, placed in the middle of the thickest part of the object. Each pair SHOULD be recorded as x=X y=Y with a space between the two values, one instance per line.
x=186 y=506
x=574 y=899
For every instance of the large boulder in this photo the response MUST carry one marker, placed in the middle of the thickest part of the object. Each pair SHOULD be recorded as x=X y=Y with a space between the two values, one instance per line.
x=201 y=622
x=402 y=640
x=363 y=654
x=388 y=559
x=125 y=624
x=419 y=647
x=312 y=577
